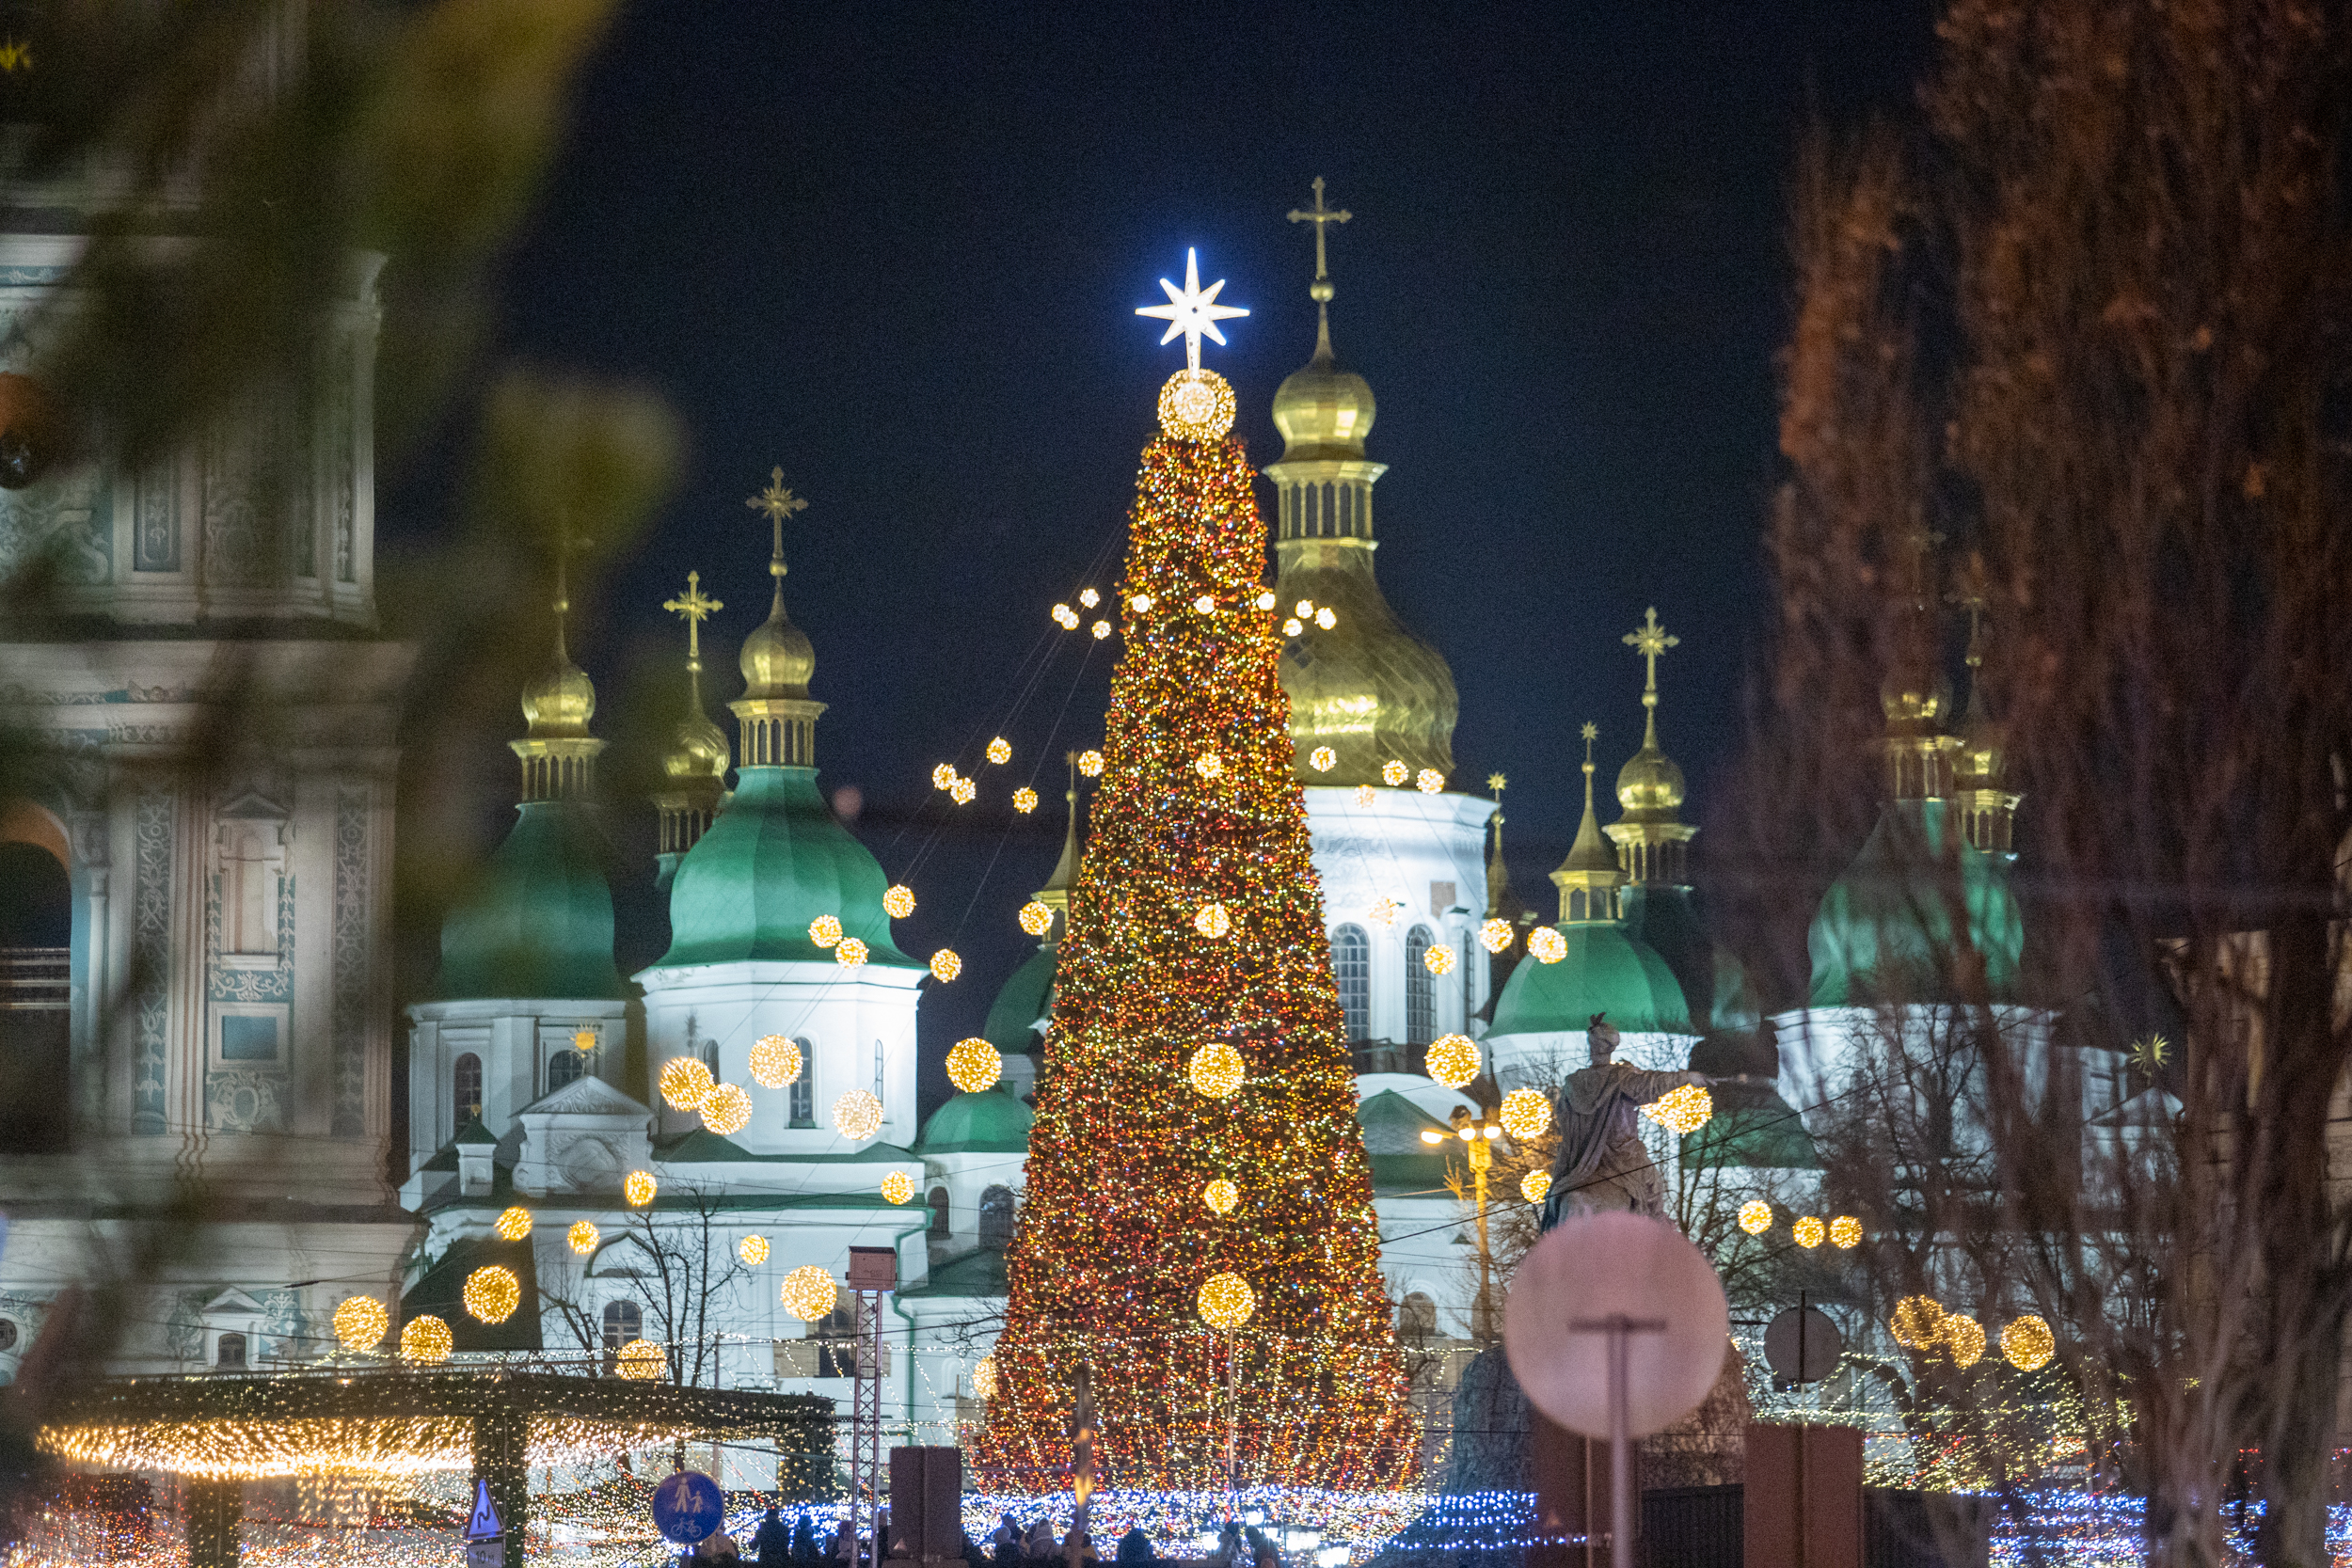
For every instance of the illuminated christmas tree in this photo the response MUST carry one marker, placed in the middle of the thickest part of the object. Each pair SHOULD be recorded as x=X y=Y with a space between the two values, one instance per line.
x=1198 y=1232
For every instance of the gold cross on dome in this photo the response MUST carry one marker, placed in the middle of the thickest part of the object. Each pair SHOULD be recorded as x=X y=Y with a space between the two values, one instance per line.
x=1649 y=640
x=779 y=503
x=695 y=607
x=1321 y=217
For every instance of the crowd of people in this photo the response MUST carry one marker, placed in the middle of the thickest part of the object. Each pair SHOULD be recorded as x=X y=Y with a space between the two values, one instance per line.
x=778 y=1545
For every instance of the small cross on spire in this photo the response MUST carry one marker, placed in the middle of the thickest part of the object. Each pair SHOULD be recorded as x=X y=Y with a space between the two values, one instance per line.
x=1649 y=640
x=695 y=607
x=779 y=503
x=1321 y=217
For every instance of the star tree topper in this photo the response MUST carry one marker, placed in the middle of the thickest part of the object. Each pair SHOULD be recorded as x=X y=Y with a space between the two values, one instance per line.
x=1190 y=312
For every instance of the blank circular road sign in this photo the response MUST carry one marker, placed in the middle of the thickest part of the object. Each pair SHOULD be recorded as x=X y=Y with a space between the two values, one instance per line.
x=1822 y=1346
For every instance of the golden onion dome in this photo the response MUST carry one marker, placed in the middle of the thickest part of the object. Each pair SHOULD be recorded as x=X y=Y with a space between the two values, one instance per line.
x=698 y=750
x=1649 y=786
x=777 y=658
x=1322 y=410
x=1915 y=697
x=561 y=702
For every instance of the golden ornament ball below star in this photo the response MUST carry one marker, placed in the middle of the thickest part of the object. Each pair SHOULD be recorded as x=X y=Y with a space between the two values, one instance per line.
x=1685 y=1109
x=1025 y=800
x=640 y=1361
x=1216 y=1071
x=857 y=1116
x=1221 y=1196
x=898 y=1186
x=727 y=1110
x=1808 y=1232
x=1392 y=771
x=984 y=1377
x=361 y=1322
x=1090 y=763
x=492 y=1293
x=1755 y=1216
x=684 y=1082
x=1963 y=1337
x=1036 y=918
x=775 y=1061
x=512 y=1225
x=1226 y=1301
x=1439 y=959
x=640 y=1189
x=1546 y=946
x=1212 y=921
x=583 y=1237
x=1526 y=1113
x=1323 y=759
x=1917 y=1322
x=946 y=964
x=1495 y=935
x=974 y=1064
x=848 y=952
x=1845 y=1232
x=1195 y=405
x=825 y=930
x=1535 y=1185
x=426 y=1340
x=1000 y=750
x=753 y=1250
x=2027 y=1343
x=899 y=902
x=963 y=791
x=1454 y=1060
x=809 y=1293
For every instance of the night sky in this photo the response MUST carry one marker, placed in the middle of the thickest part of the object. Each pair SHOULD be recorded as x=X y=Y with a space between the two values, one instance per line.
x=898 y=250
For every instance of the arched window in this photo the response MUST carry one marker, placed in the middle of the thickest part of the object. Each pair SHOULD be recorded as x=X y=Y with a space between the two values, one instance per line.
x=803 y=1106
x=36 y=997
x=1420 y=1003
x=464 y=1079
x=1416 y=1317
x=232 y=1354
x=624 y=1321
x=1351 y=965
x=941 y=1229
x=997 y=1217
x=562 y=1068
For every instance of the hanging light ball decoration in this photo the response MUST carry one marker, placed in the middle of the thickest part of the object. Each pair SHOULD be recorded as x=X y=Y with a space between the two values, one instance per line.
x=1547 y=944
x=1429 y=781
x=1090 y=763
x=1226 y=1301
x=1101 y=630
x=1686 y=1110
x=1755 y=1216
x=963 y=791
x=583 y=1237
x=810 y=1293
x=1216 y=1071
x=1964 y=1337
x=514 y=1224
x=1212 y=921
x=984 y=1377
x=1325 y=619
x=1140 y=604
x=1066 y=617
x=727 y=1110
x=1088 y=597
x=1036 y=918
x=946 y=964
x=825 y=930
x=1454 y=1060
x=640 y=1361
x=775 y=1061
x=943 y=775
x=1025 y=800
x=684 y=1082
x=492 y=1293
x=1205 y=604
x=1495 y=935
x=849 y=953
x=1323 y=759
x=857 y=1116
x=2027 y=1343
x=1305 y=607
x=640 y=1188
x=1526 y=1113
x=1221 y=1196
x=1292 y=627
x=898 y=1186
x=1810 y=1232
x=1535 y=1185
x=425 y=1340
x=1195 y=405
x=1265 y=599
x=1364 y=794
x=1000 y=750
x=361 y=1322
x=1392 y=771
x=899 y=901
x=753 y=1250
x=1439 y=959
x=974 y=1064
x=1917 y=1322
x=1209 y=765
x=1845 y=1232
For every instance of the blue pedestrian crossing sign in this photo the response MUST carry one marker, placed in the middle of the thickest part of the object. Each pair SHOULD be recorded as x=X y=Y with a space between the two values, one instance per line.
x=484 y=1524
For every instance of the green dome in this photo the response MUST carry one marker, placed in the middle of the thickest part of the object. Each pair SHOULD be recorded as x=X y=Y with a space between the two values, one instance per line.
x=1884 y=931
x=1606 y=970
x=1011 y=1026
x=539 y=923
x=1402 y=1163
x=989 y=1122
x=771 y=863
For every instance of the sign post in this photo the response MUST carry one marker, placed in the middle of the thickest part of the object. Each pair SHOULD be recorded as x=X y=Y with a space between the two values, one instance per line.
x=486 y=1536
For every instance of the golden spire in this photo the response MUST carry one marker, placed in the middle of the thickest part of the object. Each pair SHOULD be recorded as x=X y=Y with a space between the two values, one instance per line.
x=777 y=659
x=1321 y=290
x=1588 y=878
x=1914 y=695
x=1650 y=838
x=1650 y=640
x=1498 y=874
x=700 y=748
x=1054 y=894
x=557 y=751
x=1987 y=810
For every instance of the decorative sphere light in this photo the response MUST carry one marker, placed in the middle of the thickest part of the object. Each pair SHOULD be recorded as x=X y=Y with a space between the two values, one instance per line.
x=809 y=1293
x=753 y=1250
x=1808 y=1232
x=1323 y=759
x=583 y=1237
x=1325 y=619
x=1292 y=627
x=1025 y=800
x=361 y=1322
x=1963 y=1337
x=640 y=1361
x=425 y=1340
x=1495 y=935
x=1036 y=918
x=1000 y=750
x=1101 y=629
x=584 y=1042
x=900 y=901
x=1383 y=910
x=1140 y=604
x=1205 y=604
x=974 y=1064
x=1547 y=946
x=849 y=954
x=1917 y=1322
x=963 y=791
x=1535 y=1185
x=1526 y=1113
x=1195 y=405
x=514 y=1224
x=492 y=1293
x=1755 y=1216
x=684 y=1082
x=1226 y=1301
x=1304 y=610
x=1845 y=1232
x=1439 y=959
x=1686 y=1110
x=825 y=930
x=898 y=1186
x=727 y=1110
x=1212 y=921
x=1429 y=781
x=1392 y=771
x=1221 y=1196
x=943 y=775
x=984 y=1377
x=1363 y=795
x=1066 y=617
x=946 y=964
x=1454 y=1060
x=1090 y=763
x=1208 y=765
x=640 y=1188
x=1088 y=597
x=857 y=1116
x=775 y=1061
x=1216 y=1071
x=2027 y=1343
x=1266 y=599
